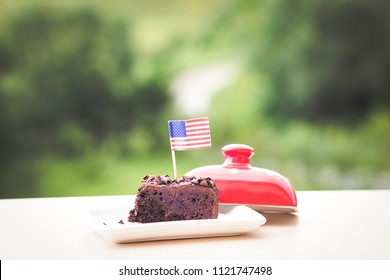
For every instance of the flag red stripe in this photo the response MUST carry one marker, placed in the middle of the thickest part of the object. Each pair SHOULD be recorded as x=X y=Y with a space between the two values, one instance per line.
x=191 y=144
x=204 y=145
x=197 y=134
x=197 y=130
x=194 y=140
x=205 y=119
x=189 y=148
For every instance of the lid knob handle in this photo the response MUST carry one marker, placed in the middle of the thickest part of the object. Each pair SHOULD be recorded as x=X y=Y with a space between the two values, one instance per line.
x=237 y=155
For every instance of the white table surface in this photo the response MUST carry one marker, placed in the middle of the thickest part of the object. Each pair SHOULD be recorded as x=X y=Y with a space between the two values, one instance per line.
x=328 y=225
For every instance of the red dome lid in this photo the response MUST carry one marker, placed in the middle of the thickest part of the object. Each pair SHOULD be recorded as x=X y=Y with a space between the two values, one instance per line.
x=240 y=183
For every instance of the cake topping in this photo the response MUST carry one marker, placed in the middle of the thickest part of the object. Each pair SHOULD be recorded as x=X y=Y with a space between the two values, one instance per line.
x=151 y=180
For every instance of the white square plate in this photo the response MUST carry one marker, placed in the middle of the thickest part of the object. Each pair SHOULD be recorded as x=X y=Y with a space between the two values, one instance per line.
x=232 y=220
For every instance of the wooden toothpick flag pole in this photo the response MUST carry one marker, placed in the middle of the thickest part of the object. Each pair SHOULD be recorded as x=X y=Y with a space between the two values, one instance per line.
x=174 y=164
x=189 y=134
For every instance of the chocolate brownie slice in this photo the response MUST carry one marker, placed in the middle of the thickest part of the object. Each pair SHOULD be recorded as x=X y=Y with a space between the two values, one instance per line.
x=161 y=199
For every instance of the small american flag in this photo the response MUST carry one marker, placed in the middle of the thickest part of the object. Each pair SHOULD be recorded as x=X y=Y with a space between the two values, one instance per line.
x=189 y=134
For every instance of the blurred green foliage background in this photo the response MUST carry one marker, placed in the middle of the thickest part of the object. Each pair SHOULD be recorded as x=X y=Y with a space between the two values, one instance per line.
x=87 y=88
